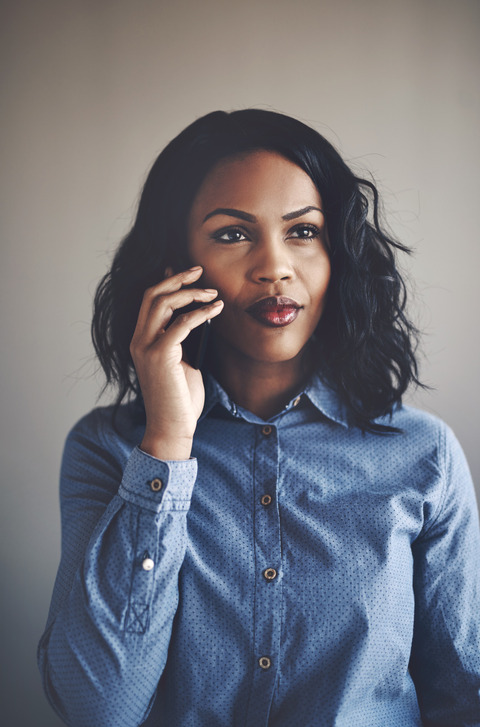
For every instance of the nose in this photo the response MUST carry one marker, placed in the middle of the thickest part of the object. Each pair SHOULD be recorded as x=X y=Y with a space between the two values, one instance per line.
x=271 y=261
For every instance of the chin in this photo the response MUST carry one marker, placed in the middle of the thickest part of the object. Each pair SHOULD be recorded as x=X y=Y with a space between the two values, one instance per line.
x=270 y=345
x=271 y=353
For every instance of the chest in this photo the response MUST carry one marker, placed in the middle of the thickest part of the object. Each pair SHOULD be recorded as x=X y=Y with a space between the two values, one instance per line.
x=306 y=500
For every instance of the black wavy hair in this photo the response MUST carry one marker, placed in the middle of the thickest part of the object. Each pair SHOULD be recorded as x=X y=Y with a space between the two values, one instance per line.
x=367 y=344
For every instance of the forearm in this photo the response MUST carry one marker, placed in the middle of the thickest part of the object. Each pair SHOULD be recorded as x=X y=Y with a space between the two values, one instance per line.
x=106 y=648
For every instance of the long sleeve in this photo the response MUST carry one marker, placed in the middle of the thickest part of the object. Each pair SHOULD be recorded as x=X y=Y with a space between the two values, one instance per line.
x=445 y=660
x=116 y=593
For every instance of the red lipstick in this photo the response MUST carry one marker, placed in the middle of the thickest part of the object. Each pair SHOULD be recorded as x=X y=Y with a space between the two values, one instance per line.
x=275 y=312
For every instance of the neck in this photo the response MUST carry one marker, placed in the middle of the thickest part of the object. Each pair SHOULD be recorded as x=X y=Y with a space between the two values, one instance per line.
x=261 y=387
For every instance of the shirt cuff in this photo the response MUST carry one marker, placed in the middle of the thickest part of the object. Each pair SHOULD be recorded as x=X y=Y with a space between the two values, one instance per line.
x=158 y=484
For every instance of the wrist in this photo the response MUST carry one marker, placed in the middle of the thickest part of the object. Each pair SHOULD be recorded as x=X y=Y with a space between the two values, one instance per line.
x=167 y=449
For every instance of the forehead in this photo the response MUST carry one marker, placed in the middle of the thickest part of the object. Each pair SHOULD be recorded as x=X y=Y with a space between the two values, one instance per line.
x=258 y=179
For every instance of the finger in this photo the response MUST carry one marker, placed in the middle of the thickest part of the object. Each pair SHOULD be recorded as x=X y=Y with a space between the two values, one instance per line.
x=171 y=285
x=186 y=322
x=163 y=308
x=174 y=281
x=168 y=285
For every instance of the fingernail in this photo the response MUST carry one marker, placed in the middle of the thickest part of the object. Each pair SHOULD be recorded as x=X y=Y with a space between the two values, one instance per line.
x=210 y=290
x=195 y=267
x=217 y=303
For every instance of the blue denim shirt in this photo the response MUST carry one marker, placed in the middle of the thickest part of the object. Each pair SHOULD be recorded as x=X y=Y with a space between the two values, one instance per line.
x=292 y=573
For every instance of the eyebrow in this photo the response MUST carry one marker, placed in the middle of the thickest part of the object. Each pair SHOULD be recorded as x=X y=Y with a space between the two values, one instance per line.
x=251 y=218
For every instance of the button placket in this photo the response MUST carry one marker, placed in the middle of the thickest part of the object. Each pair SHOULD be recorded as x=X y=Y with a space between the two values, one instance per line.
x=268 y=585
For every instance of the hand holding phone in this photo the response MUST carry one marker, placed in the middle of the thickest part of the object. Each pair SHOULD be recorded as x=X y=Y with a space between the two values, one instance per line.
x=172 y=387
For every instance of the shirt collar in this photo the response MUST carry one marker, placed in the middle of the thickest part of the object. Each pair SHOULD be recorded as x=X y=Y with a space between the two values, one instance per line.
x=316 y=391
x=326 y=400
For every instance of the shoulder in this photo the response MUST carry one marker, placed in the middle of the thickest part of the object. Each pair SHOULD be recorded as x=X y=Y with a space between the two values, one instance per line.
x=425 y=437
x=424 y=428
x=414 y=450
x=104 y=433
x=96 y=451
x=416 y=423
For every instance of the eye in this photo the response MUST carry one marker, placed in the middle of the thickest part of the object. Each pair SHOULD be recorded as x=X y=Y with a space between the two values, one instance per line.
x=304 y=232
x=229 y=234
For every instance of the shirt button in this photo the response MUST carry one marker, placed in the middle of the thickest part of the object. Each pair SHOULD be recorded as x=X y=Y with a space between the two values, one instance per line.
x=267 y=430
x=270 y=574
x=147 y=564
x=266 y=500
x=156 y=484
x=264 y=662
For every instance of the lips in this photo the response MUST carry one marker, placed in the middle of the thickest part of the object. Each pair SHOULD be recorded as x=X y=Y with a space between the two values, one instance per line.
x=275 y=312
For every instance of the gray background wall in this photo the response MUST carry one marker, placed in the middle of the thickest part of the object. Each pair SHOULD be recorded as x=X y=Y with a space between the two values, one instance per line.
x=92 y=91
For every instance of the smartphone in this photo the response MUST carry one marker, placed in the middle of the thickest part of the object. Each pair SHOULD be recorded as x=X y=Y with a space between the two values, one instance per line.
x=195 y=345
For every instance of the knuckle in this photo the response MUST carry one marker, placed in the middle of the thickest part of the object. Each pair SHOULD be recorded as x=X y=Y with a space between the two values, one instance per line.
x=152 y=293
x=137 y=346
x=148 y=293
x=183 y=318
x=157 y=301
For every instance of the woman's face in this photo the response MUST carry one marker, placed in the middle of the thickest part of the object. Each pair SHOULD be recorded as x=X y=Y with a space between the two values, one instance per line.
x=257 y=228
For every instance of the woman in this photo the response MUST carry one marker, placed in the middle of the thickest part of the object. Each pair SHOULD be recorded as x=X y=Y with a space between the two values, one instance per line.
x=271 y=539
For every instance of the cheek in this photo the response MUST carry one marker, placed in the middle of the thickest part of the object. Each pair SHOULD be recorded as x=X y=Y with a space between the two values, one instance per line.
x=318 y=282
x=211 y=278
x=223 y=279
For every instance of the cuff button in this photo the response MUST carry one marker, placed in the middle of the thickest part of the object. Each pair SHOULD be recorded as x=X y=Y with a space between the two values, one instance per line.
x=156 y=485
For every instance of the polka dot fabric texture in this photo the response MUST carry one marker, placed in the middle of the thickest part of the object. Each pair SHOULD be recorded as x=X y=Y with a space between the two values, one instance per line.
x=293 y=572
